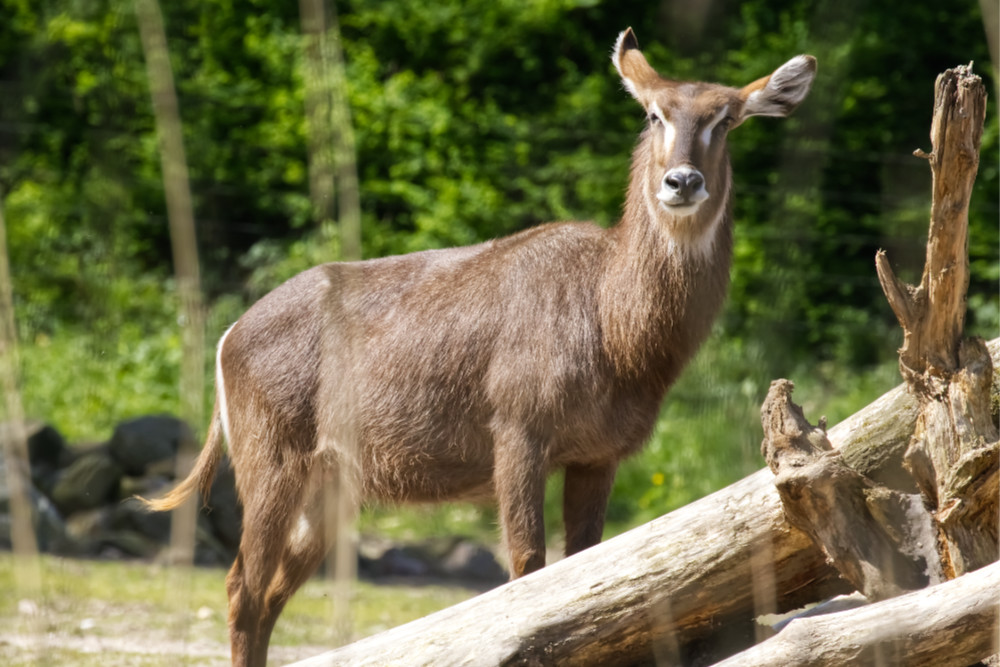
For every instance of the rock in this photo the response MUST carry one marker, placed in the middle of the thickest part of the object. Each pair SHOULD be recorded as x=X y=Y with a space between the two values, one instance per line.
x=448 y=557
x=130 y=515
x=118 y=530
x=208 y=550
x=84 y=530
x=46 y=449
x=403 y=561
x=45 y=444
x=468 y=560
x=120 y=544
x=147 y=486
x=141 y=442
x=90 y=481
x=50 y=531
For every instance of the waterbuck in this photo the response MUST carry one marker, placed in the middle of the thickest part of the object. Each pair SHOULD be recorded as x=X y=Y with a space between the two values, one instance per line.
x=475 y=372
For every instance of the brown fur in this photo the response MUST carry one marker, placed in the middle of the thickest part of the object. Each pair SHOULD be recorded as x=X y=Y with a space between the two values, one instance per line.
x=473 y=372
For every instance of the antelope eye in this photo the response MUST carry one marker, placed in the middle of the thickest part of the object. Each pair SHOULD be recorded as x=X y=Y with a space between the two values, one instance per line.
x=652 y=118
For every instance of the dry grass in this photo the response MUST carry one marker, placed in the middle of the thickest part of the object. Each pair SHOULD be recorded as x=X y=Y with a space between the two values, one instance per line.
x=123 y=613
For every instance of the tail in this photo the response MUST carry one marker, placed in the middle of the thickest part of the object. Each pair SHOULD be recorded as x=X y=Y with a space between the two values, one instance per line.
x=201 y=475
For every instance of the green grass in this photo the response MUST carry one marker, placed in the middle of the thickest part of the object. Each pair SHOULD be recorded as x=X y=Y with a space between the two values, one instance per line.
x=125 y=613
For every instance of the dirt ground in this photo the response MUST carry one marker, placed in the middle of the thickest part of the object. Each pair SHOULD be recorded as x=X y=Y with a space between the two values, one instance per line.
x=90 y=613
x=60 y=649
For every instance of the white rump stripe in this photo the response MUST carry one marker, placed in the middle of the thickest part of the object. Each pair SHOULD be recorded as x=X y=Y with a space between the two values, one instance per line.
x=220 y=385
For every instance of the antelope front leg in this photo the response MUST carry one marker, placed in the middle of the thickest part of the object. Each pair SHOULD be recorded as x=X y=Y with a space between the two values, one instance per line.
x=585 y=500
x=519 y=478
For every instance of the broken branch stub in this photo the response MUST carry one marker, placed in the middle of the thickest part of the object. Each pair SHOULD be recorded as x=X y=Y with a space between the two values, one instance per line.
x=877 y=538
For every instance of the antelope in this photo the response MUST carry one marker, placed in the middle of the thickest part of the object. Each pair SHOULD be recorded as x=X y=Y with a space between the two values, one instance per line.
x=475 y=372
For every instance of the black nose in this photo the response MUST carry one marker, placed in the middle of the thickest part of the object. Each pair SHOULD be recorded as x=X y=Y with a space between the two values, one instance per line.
x=684 y=182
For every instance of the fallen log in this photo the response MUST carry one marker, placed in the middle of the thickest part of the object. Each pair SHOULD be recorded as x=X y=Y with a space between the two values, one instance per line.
x=682 y=588
x=655 y=590
x=950 y=624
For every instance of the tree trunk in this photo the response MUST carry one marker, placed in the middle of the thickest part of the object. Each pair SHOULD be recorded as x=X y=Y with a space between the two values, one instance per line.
x=682 y=589
x=953 y=455
x=883 y=540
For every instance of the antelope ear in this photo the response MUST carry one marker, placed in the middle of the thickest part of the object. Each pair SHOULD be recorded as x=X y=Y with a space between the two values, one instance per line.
x=635 y=71
x=780 y=92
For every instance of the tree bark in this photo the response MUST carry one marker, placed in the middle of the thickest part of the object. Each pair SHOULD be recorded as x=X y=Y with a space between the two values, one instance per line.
x=950 y=624
x=953 y=455
x=681 y=589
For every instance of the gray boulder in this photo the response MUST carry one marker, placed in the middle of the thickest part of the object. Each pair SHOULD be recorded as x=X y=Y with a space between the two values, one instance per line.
x=48 y=525
x=139 y=443
x=46 y=449
x=437 y=557
x=130 y=515
x=45 y=444
x=471 y=561
x=84 y=530
x=90 y=481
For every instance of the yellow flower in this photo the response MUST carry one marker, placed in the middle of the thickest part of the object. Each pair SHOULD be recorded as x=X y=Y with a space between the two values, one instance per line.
x=658 y=479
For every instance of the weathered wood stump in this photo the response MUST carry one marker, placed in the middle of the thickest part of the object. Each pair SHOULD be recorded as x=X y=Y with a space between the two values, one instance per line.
x=953 y=455
x=885 y=540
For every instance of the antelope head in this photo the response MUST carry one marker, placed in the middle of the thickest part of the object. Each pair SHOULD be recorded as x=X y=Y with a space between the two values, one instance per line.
x=681 y=168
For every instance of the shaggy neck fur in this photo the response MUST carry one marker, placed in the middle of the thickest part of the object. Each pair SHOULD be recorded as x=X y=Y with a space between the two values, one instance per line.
x=666 y=278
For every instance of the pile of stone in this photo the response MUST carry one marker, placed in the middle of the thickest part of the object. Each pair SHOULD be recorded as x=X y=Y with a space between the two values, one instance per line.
x=83 y=504
x=82 y=497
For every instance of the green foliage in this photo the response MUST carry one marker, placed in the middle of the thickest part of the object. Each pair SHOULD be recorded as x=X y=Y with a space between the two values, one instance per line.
x=695 y=448
x=89 y=384
x=473 y=120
